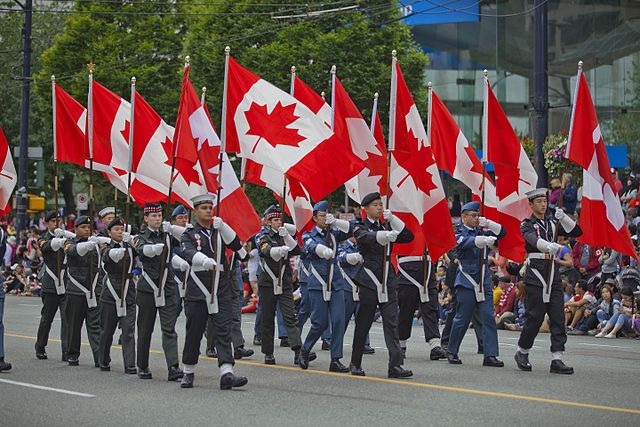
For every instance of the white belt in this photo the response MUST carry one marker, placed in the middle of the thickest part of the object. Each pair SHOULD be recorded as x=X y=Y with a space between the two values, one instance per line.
x=383 y=296
x=121 y=307
x=59 y=284
x=158 y=293
x=546 y=287
x=326 y=286
x=423 y=288
x=91 y=301
x=182 y=284
x=354 y=287
x=212 y=303
x=476 y=286
x=539 y=255
x=277 y=284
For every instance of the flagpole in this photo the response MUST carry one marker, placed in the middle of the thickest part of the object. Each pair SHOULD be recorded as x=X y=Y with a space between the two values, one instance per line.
x=128 y=201
x=374 y=112
x=91 y=68
x=425 y=255
x=393 y=94
x=55 y=166
x=483 y=253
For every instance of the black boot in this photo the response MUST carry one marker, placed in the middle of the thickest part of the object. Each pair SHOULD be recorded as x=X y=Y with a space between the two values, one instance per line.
x=41 y=354
x=437 y=353
x=522 y=361
x=284 y=342
x=131 y=370
x=64 y=357
x=368 y=349
x=175 y=373
x=187 y=381
x=326 y=345
x=73 y=361
x=356 y=370
x=303 y=358
x=269 y=359
x=257 y=340
x=454 y=359
x=337 y=366
x=241 y=352
x=230 y=380
x=404 y=352
x=399 y=372
x=493 y=362
x=105 y=368
x=211 y=352
x=144 y=374
x=558 y=367
x=4 y=366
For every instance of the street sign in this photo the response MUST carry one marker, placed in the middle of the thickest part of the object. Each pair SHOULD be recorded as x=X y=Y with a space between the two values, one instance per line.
x=35 y=153
x=82 y=201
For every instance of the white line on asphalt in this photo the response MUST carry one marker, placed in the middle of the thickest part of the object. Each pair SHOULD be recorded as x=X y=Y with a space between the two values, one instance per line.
x=41 y=387
x=32 y=305
x=605 y=345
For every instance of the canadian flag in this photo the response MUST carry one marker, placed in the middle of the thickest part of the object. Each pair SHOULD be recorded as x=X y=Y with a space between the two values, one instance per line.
x=514 y=173
x=601 y=218
x=198 y=150
x=70 y=119
x=303 y=93
x=415 y=181
x=349 y=126
x=8 y=174
x=272 y=128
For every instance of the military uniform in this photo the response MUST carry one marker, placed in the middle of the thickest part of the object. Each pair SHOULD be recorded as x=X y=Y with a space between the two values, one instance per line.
x=53 y=298
x=372 y=240
x=473 y=289
x=83 y=291
x=274 y=290
x=155 y=293
x=414 y=294
x=326 y=292
x=542 y=279
x=118 y=303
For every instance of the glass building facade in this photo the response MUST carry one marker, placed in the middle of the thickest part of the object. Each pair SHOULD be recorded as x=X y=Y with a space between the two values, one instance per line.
x=464 y=37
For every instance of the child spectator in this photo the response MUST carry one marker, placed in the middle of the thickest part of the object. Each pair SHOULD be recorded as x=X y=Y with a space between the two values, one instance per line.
x=507 y=300
x=516 y=320
x=624 y=314
x=608 y=306
x=574 y=308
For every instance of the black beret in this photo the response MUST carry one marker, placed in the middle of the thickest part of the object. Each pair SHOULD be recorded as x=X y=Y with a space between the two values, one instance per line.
x=369 y=198
x=81 y=220
x=114 y=222
x=51 y=215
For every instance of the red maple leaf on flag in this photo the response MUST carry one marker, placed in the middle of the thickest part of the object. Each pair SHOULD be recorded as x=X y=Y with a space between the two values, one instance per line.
x=377 y=166
x=126 y=130
x=416 y=163
x=507 y=181
x=296 y=190
x=273 y=127
x=210 y=162
x=476 y=166
x=183 y=166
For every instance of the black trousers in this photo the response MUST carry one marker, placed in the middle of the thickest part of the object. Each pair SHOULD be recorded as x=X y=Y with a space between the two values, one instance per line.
x=476 y=322
x=268 y=302
x=536 y=309
x=197 y=316
x=237 y=339
x=146 y=321
x=364 y=320
x=79 y=313
x=408 y=302
x=110 y=320
x=51 y=303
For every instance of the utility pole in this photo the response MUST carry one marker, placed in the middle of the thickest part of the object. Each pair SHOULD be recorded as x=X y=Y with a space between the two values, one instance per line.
x=27 y=6
x=541 y=87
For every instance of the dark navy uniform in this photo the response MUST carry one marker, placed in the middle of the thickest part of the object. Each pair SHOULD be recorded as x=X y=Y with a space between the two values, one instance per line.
x=52 y=294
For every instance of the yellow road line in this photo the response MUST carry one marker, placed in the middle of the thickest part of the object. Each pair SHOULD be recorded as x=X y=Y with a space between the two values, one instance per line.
x=409 y=383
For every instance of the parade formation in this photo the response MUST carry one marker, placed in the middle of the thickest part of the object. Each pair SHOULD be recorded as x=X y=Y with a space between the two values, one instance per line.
x=200 y=228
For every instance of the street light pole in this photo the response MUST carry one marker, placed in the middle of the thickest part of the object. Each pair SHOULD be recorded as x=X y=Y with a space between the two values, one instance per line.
x=24 y=119
x=541 y=87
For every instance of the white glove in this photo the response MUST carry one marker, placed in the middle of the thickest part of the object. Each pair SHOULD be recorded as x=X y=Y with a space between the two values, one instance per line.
x=324 y=252
x=158 y=248
x=554 y=248
x=208 y=263
x=548 y=247
x=179 y=264
x=282 y=231
x=57 y=243
x=84 y=248
x=291 y=228
x=99 y=240
x=485 y=241
x=330 y=219
x=387 y=214
x=354 y=258
x=393 y=235
x=176 y=231
x=59 y=232
x=396 y=223
x=342 y=225
x=117 y=254
x=382 y=237
x=126 y=237
x=217 y=222
x=279 y=252
x=565 y=220
x=227 y=233
x=290 y=242
x=166 y=227
x=201 y=261
x=493 y=226
x=559 y=214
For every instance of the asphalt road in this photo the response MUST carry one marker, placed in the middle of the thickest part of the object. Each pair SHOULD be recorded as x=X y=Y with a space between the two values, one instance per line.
x=604 y=391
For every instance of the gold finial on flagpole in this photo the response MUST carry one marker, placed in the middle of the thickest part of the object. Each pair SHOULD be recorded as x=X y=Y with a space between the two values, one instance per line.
x=204 y=90
x=53 y=78
x=485 y=73
x=333 y=69
x=376 y=95
x=322 y=95
x=91 y=67
x=227 y=50
x=187 y=59
x=430 y=85
x=580 y=64
x=293 y=69
x=133 y=81
x=394 y=53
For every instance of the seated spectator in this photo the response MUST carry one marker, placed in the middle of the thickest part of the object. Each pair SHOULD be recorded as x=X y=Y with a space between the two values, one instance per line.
x=586 y=259
x=515 y=321
x=497 y=290
x=444 y=301
x=574 y=308
x=507 y=300
x=17 y=280
x=620 y=318
x=564 y=259
x=568 y=290
x=608 y=305
x=610 y=260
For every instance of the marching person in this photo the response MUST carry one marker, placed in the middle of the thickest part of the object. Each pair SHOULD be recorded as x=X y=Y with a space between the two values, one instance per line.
x=118 y=297
x=276 y=246
x=473 y=283
x=325 y=296
x=374 y=289
x=209 y=290
x=53 y=298
x=414 y=293
x=542 y=280
x=106 y=215
x=83 y=288
x=155 y=293
x=180 y=221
